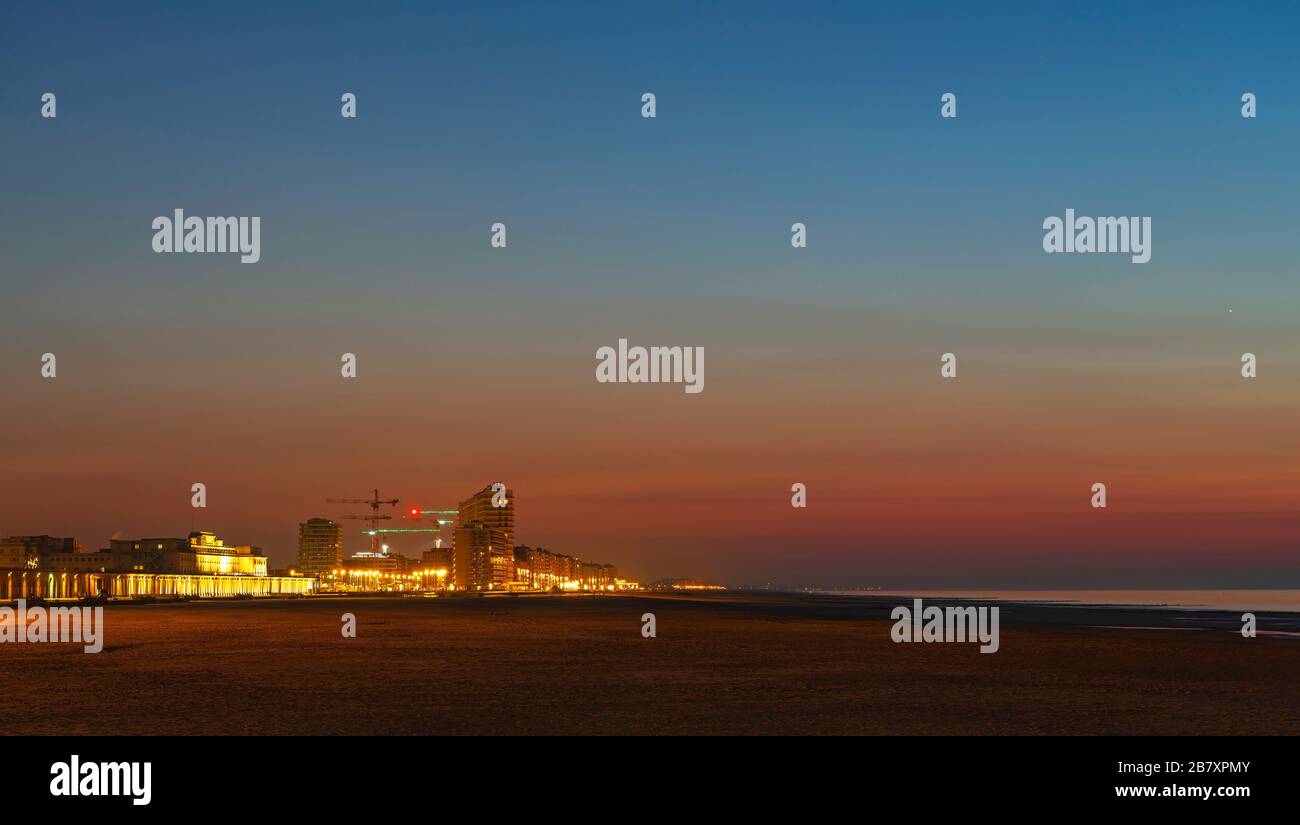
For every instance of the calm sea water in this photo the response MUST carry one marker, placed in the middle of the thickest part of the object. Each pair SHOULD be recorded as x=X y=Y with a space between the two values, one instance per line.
x=1270 y=600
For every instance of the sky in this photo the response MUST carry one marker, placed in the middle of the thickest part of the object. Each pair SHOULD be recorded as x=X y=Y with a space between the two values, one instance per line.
x=477 y=364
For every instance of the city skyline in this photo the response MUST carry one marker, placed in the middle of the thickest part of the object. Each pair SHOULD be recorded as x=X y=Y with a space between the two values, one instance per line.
x=481 y=554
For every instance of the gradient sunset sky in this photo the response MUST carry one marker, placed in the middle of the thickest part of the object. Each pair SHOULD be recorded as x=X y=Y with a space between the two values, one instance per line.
x=821 y=365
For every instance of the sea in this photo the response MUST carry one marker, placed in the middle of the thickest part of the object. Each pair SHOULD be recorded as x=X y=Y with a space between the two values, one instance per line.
x=1246 y=600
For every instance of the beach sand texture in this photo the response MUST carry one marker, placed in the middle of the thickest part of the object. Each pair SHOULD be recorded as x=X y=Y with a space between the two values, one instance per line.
x=730 y=663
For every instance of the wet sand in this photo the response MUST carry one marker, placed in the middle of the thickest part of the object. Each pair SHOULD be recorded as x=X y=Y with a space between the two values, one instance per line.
x=726 y=663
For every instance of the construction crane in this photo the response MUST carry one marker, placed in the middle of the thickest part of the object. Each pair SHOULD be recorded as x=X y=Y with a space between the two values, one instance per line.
x=416 y=513
x=374 y=518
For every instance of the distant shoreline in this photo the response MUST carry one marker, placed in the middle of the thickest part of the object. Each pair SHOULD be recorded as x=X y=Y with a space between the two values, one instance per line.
x=1243 y=599
x=876 y=606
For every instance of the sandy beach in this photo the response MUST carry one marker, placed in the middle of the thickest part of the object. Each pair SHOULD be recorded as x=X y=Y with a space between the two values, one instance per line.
x=726 y=663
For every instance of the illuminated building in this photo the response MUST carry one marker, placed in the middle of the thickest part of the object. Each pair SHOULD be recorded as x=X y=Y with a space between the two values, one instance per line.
x=198 y=566
x=503 y=569
x=597 y=576
x=481 y=558
x=320 y=546
x=566 y=571
x=478 y=509
x=524 y=564
x=541 y=569
x=383 y=562
x=201 y=552
x=367 y=580
x=367 y=572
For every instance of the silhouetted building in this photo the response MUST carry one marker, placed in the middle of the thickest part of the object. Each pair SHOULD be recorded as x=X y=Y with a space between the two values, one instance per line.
x=320 y=546
x=20 y=552
x=436 y=558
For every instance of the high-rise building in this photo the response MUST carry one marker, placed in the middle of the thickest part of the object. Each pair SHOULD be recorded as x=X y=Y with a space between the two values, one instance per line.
x=482 y=555
x=320 y=546
x=479 y=509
